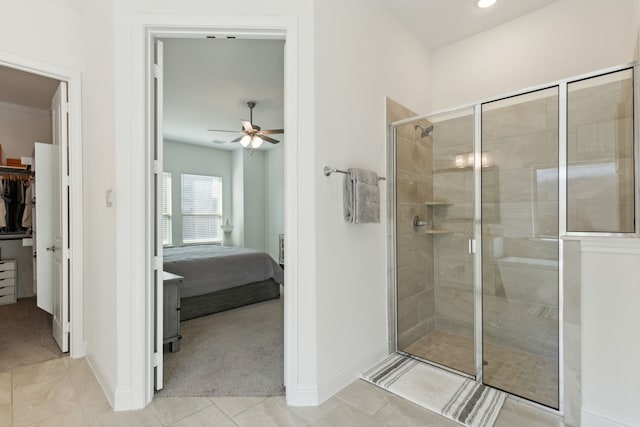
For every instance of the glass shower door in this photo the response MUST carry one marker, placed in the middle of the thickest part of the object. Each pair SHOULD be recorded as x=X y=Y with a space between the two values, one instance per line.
x=520 y=245
x=434 y=224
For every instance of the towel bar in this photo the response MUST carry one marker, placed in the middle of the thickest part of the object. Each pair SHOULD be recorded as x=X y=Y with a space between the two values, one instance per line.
x=328 y=171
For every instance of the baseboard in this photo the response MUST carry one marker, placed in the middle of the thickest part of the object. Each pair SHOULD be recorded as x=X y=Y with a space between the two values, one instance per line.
x=593 y=418
x=302 y=395
x=119 y=397
x=351 y=373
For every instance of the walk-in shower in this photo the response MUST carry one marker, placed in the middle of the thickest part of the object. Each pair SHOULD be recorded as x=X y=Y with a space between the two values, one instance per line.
x=482 y=197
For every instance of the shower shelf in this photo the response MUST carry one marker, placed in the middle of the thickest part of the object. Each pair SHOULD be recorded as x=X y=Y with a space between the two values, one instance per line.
x=437 y=232
x=435 y=204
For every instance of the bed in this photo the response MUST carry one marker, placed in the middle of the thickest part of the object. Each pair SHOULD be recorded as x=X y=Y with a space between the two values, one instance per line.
x=218 y=278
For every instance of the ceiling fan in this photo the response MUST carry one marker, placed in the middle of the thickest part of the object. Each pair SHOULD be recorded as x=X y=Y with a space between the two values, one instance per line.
x=253 y=134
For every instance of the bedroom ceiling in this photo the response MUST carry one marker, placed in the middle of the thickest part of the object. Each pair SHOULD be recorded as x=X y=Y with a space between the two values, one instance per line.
x=440 y=23
x=208 y=82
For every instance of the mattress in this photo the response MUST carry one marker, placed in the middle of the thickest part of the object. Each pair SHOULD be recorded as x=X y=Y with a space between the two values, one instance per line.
x=211 y=268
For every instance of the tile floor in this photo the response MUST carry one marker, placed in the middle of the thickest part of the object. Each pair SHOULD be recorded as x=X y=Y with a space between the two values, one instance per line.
x=64 y=392
x=528 y=375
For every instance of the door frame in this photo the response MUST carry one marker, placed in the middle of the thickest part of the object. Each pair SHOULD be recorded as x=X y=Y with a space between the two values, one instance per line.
x=77 y=347
x=264 y=27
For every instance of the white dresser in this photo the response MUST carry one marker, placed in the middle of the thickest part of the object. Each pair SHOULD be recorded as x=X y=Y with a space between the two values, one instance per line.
x=8 y=281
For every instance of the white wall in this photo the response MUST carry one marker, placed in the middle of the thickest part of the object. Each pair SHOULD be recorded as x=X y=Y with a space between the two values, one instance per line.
x=107 y=296
x=254 y=199
x=181 y=158
x=237 y=180
x=274 y=195
x=20 y=127
x=564 y=39
x=610 y=340
x=362 y=54
x=44 y=30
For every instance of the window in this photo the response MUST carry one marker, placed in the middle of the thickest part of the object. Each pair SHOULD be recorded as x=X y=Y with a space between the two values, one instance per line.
x=201 y=208
x=166 y=208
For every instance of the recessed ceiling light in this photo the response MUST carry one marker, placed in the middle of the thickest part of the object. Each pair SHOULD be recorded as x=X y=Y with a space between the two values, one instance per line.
x=486 y=3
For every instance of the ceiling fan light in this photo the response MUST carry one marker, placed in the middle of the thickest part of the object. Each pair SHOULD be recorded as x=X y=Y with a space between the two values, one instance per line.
x=256 y=142
x=245 y=141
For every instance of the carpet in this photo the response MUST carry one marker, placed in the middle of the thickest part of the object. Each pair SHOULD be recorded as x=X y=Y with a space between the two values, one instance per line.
x=26 y=335
x=453 y=396
x=238 y=352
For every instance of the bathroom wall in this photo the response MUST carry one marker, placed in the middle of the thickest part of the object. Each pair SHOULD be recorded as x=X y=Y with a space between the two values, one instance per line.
x=534 y=49
x=454 y=296
x=414 y=250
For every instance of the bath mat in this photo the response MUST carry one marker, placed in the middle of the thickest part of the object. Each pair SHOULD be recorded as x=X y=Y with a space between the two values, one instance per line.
x=455 y=397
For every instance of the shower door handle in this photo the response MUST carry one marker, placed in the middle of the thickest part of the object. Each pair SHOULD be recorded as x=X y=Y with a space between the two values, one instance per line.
x=472 y=246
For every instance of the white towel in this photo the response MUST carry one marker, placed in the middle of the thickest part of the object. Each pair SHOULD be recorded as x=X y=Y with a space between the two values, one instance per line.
x=361 y=197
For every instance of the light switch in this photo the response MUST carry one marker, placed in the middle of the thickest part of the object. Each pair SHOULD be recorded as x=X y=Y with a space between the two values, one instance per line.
x=109 y=197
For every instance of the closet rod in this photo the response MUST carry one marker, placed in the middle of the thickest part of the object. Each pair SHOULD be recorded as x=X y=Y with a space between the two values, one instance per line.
x=15 y=171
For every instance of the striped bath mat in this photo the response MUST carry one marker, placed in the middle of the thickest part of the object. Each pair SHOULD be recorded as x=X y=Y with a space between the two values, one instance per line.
x=455 y=397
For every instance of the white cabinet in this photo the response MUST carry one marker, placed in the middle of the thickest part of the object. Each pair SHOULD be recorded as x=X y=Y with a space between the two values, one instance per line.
x=8 y=281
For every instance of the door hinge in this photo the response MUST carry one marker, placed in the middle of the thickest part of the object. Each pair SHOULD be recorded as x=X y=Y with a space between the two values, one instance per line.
x=156 y=359
x=157 y=263
x=66 y=181
x=66 y=328
x=157 y=71
x=65 y=108
x=157 y=167
x=66 y=253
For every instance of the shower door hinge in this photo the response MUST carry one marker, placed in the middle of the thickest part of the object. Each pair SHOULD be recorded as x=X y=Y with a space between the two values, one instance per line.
x=472 y=246
x=157 y=71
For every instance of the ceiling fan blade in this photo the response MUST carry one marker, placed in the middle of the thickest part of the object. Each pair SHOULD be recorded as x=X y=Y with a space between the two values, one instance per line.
x=266 y=138
x=270 y=131
x=246 y=125
x=237 y=139
x=222 y=130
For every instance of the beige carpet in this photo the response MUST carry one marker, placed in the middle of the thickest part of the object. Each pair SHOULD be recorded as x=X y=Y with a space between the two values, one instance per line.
x=25 y=335
x=238 y=352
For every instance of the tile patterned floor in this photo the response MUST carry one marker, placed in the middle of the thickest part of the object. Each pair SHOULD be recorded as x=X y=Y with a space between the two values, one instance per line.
x=528 y=375
x=64 y=392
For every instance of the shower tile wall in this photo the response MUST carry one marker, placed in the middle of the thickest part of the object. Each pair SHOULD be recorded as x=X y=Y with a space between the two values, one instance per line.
x=414 y=249
x=521 y=141
x=454 y=296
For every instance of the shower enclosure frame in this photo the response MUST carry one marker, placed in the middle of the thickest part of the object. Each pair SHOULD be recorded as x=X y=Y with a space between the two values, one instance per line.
x=563 y=234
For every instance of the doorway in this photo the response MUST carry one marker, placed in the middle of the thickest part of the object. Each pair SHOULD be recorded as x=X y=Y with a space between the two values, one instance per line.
x=232 y=234
x=40 y=113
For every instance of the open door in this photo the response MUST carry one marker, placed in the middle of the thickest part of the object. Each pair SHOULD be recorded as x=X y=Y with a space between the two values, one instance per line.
x=43 y=220
x=59 y=247
x=157 y=227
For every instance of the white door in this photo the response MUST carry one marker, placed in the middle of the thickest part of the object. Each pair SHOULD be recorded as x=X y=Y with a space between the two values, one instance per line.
x=157 y=228
x=59 y=248
x=44 y=160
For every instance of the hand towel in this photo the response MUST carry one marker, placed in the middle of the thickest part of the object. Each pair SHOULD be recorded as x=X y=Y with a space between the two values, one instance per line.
x=361 y=196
